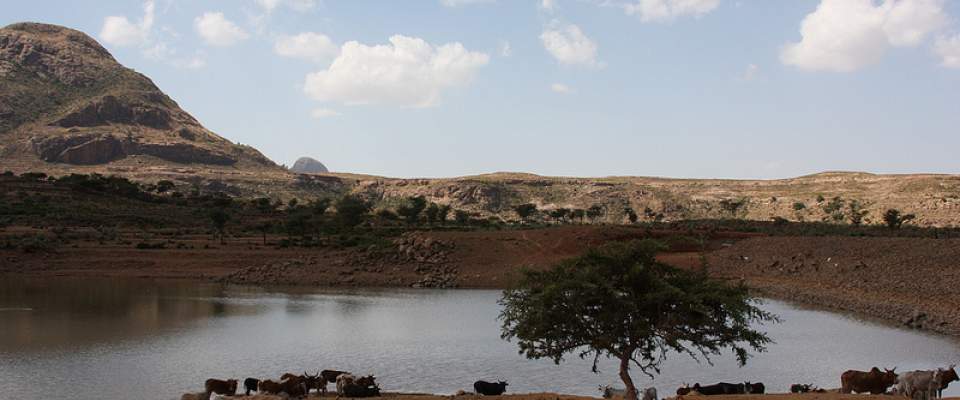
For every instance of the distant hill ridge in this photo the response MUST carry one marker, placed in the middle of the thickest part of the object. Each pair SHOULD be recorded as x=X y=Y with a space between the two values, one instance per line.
x=67 y=106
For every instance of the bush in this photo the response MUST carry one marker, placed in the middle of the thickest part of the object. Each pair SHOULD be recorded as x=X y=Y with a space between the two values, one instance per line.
x=894 y=219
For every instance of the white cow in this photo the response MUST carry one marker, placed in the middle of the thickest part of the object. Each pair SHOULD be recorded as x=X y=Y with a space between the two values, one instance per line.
x=925 y=384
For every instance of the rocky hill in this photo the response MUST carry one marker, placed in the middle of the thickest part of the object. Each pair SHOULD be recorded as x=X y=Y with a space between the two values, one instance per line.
x=66 y=105
x=307 y=165
x=831 y=196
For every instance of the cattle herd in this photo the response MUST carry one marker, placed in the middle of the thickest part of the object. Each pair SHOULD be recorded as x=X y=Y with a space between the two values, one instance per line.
x=916 y=385
x=293 y=385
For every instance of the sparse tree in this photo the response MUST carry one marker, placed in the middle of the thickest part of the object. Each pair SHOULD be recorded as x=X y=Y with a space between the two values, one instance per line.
x=525 y=210
x=594 y=212
x=856 y=211
x=462 y=217
x=443 y=213
x=578 y=213
x=894 y=219
x=320 y=206
x=411 y=208
x=219 y=218
x=264 y=228
x=632 y=215
x=351 y=210
x=559 y=214
x=431 y=213
x=618 y=301
x=292 y=204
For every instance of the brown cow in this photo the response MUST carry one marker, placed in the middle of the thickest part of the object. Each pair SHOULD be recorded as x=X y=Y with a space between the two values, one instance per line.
x=227 y=387
x=270 y=387
x=875 y=381
x=949 y=375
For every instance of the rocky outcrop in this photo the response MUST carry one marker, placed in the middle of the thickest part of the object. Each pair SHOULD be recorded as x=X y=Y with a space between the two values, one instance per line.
x=109 y=109
x=79 y=149
x=307 y=165
x=91 y=149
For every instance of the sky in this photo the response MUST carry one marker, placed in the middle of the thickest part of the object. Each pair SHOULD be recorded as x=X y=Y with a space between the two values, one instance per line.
x=437 y=88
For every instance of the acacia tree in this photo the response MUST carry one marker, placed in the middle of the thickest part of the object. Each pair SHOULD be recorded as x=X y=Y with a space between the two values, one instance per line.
x=617 y=301
x=525 y=210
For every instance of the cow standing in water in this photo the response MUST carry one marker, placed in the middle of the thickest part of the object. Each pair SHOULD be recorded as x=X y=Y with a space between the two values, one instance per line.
x=874 y=381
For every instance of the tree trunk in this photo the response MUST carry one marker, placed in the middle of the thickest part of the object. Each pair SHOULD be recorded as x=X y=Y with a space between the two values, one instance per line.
x=627 y=381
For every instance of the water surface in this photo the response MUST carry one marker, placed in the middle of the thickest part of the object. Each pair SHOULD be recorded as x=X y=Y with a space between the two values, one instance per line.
x=117 y=338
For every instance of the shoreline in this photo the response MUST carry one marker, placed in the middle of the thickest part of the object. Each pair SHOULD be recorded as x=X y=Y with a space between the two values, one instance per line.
x=838 y=273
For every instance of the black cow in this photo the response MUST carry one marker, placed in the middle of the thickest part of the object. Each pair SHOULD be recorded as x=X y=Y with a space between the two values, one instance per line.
x=250 y=384
x=355 y=390
x=754 y=388
x=800 y=388
x=490 y=389
x=720 y=388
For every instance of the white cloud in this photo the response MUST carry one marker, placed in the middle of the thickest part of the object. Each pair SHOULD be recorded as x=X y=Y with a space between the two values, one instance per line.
x=948 y=48
x=457 y=3
x=162 y=53
x=311 y=46
x=505 y=50
x=548 y=5
x=846 y=35
x=668 y=10
x=120 y=32
x=751 y=72
x=320 y=113
x=569 y=45
x=407 y=72
x=296 y=5
x=561 y=88
x=217 y=30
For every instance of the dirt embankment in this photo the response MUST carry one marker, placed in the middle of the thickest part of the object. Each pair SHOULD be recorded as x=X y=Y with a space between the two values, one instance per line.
x=910 y=281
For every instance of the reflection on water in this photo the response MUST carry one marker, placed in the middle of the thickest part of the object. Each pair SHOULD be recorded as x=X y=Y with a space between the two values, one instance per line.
x=120 y=338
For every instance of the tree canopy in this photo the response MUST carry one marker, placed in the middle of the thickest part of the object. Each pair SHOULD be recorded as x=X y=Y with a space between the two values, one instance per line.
x=618 y=301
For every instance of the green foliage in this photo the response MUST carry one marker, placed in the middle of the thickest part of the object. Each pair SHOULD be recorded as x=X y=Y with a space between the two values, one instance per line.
x=618 y=301
x=387 y=214
x=894 y=219
x=164 y=186
x=632 y=215
x=559 y=214
x=319 y=206
x=578 y=213
x=856 y=211
x=820 y=199
x=595 y=212
x=443 y=212
x=799 y=206
x=834 y=208
x=525 y=210
x=411 y=208
x=351 y=209
x=292 y=204
x=219 y=218
x=733 y=207
x=462 y=217
x=431 y=213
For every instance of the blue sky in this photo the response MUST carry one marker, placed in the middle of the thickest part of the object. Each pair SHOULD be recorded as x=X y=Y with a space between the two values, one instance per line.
x=429 y=88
